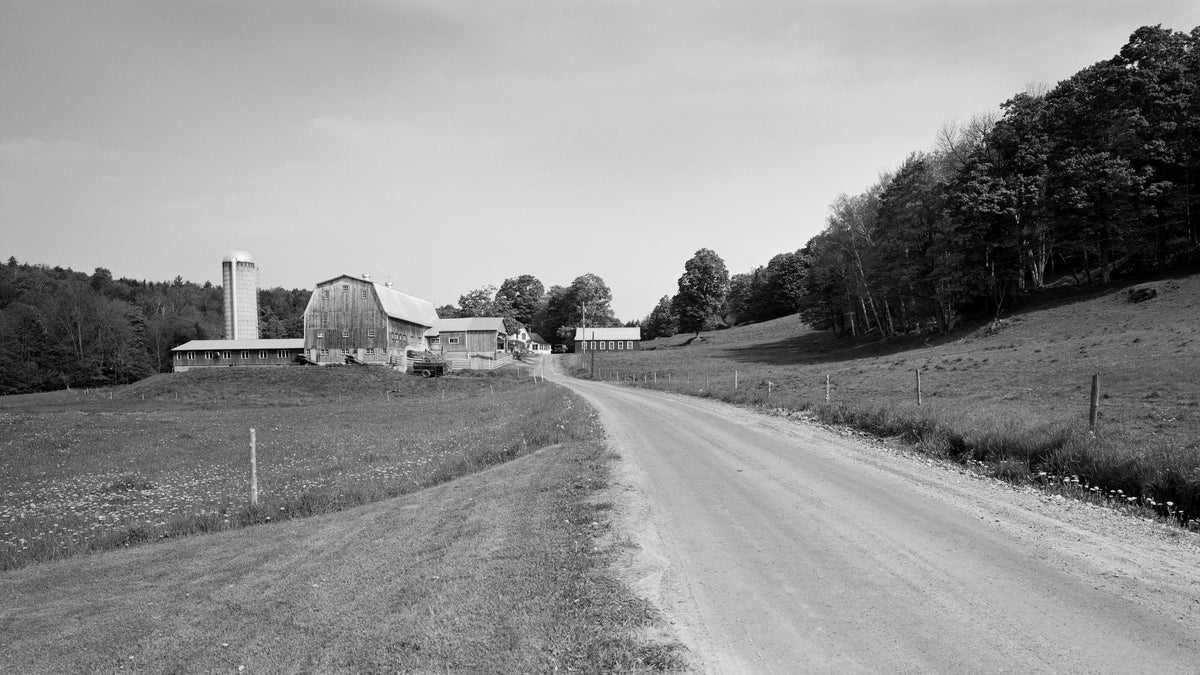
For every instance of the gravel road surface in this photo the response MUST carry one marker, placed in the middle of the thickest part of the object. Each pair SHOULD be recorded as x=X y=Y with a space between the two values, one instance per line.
x=776 y=545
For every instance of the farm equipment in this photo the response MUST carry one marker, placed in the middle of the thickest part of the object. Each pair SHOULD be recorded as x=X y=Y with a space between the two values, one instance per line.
x=427 y=364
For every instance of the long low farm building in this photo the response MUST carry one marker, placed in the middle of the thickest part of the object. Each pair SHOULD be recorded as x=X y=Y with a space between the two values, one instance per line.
x=235 y=353
x=608 y=339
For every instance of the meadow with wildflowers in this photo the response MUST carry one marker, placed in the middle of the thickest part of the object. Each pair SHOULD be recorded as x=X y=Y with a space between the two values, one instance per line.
x=495 y=556
x=169 y=456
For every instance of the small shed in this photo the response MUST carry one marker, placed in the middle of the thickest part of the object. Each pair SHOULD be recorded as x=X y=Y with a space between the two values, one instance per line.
x=476 y=342
x=608 y=339
x=235 y=353
x=537 y=345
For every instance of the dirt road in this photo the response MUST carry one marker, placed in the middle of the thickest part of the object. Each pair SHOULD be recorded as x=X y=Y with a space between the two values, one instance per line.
x=778 y=546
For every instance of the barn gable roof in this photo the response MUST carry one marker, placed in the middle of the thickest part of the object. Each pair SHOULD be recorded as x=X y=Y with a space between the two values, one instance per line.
x=406 y=307
x=467 y=324
x=396 y=304
x=634 y=333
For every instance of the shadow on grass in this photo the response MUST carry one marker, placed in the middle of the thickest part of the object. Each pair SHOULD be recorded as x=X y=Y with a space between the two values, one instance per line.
x=822 y=347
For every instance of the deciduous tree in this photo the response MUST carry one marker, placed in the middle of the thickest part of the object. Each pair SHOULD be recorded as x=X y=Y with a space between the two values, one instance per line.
x=702 y=289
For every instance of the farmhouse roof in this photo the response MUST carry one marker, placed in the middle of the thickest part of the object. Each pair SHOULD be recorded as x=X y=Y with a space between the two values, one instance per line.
x=397 y=304
x=469 y=324
x=538 y=339
x=232 y=345
x=634 y=333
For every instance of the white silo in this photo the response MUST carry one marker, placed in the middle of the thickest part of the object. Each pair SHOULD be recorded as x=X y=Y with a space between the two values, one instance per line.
x=239 y=280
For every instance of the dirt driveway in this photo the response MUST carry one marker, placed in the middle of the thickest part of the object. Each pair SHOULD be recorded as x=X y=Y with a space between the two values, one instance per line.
x=773 y=545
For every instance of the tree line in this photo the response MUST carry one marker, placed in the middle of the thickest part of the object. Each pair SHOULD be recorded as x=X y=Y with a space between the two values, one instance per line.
x=60 y=328
x=1095 y=178
x=553 y=314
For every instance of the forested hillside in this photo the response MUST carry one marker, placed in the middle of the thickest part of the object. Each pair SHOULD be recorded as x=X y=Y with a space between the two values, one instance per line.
x=1095 y=178
x=63 y=328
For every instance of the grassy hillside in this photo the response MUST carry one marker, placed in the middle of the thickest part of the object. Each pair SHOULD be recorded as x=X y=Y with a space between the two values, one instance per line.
x=1014 y=395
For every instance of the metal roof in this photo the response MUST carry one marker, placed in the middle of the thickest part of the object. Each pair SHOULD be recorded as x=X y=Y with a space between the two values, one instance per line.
x=634 y=333
x=235 y=345
x=235 y=255
x=406 y=307
x=471 y=323
x=395 y=304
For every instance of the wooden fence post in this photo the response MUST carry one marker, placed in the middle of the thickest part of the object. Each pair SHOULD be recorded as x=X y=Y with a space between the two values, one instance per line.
x=918 y=386
x=827 y=389
x=735 y=379
x=253 y=470
x=1094 y=410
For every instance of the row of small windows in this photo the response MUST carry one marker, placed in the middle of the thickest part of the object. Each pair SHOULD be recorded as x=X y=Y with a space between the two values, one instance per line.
x=245 y=354
x=345 y=333
x=607 y=344
x=366 y=352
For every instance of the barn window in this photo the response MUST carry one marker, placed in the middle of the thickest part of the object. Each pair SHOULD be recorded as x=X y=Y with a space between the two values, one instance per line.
x=370 y=332
x=262 y=354
x=452 y=340
x=346 y=288
x=225 y=355
x=370 y=351
x=320 y=335
x=192 y=355
x=281 y=354
x=364 y=294
x=620 y=345
x=245 y=354
x=325 y=293
x=345 y=333
x=602 y=344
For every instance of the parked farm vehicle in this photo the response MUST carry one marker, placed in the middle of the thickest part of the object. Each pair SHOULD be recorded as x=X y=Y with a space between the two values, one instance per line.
x=428 y=364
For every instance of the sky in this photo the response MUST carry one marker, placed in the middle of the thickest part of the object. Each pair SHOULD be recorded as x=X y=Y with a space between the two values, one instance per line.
x=449 y=144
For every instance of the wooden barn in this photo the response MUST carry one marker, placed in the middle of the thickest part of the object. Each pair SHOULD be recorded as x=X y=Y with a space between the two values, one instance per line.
x=474 y=342
x=352 y=319
x=608 y=339
x=235 y=353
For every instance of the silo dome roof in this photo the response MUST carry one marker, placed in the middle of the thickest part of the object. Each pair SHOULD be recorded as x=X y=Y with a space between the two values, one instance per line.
x=238 y=256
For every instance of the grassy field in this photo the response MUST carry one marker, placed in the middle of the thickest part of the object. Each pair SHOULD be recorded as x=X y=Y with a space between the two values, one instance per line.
x=1013 y=396
x=170 y=456
x=501 y=571
x=492 y=558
